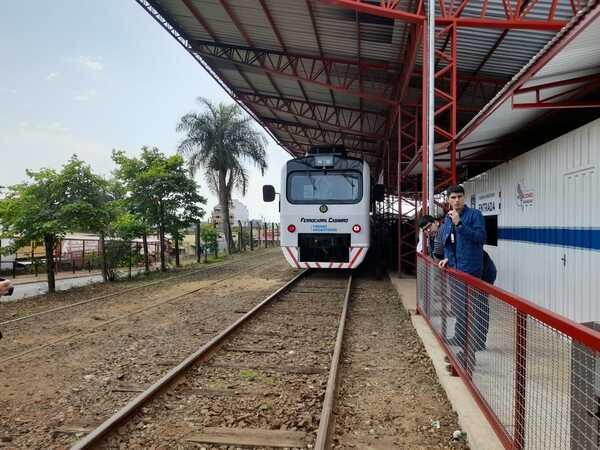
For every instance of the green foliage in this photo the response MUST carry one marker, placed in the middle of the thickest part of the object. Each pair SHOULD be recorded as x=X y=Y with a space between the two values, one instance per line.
x=128 y=226
x=222 y=140
x=209 y=235
x=158 y=190
x=53 y=203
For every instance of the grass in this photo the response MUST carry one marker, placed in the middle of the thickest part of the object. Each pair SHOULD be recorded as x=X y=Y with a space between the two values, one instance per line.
x=249 y=374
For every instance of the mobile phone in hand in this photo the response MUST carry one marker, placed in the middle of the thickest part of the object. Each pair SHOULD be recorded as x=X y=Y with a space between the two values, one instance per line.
x=10 y=291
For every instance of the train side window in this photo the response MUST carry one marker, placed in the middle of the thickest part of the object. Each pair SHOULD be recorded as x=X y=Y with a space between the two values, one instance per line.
x=491 y=230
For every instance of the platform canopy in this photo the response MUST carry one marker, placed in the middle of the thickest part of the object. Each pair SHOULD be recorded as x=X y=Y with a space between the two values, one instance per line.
x=337 y=71
x=350 y=72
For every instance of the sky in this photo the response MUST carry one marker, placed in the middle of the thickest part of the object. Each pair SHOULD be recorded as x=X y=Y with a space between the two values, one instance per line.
x=85 y=77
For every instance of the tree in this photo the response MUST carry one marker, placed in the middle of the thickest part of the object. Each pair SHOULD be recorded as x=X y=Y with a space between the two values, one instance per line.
x=132 y=221
x=127 y=227
x=210 y=239
x=159 y=190
x=90 y=202
x=53 y=203
x=221 y=140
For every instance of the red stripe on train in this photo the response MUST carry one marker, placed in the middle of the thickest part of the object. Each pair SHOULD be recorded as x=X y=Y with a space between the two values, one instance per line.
x=355 y=256
x=293 y=257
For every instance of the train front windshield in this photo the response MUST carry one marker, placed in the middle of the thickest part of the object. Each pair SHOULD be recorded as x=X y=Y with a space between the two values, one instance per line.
x=324 y=187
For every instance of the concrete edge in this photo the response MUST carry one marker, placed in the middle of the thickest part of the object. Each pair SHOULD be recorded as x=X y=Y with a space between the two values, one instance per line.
x=480 y=435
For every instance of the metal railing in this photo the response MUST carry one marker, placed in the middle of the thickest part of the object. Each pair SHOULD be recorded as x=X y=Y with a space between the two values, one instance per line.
x=535 y=374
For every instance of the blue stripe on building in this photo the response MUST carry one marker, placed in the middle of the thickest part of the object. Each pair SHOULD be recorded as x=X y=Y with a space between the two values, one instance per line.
x=586 y=238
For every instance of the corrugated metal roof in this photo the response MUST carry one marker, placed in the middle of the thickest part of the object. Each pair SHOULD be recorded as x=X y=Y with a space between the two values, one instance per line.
x=315 y=29
x=579 y=57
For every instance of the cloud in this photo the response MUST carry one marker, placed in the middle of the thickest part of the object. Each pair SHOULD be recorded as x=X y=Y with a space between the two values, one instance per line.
x=33 y=146
x=55 y=127
x=4 y=90
x=86 y=96
x=90 y=63
x=52 y=128
x=51 y=76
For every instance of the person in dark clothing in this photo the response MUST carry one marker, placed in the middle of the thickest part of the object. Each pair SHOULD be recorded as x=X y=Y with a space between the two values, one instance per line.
x=430 y=226
x=463 y=235
x=481 y=306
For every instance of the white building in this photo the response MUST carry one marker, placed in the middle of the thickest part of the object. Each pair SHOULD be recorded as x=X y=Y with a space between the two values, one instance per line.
x=237 y=211
x=543 y=222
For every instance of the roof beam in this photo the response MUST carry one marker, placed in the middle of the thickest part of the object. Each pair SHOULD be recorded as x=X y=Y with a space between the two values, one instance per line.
x=585 y=21
x=343 y=75
x=300 y=149
x=245 y=35
x=313 y=21
x=388 y=8
x=280 y=39
x=204 y=23
x=575 y=87
x=317 y=133
x=336 y=118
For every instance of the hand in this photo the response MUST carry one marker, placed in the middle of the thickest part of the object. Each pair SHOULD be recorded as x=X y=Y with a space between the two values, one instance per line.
x=443 y=263
x=4 y=287
x=454 y=216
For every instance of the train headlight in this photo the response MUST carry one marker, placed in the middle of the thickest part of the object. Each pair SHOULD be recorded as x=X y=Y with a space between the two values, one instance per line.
x=356 y=228
x=291 y=228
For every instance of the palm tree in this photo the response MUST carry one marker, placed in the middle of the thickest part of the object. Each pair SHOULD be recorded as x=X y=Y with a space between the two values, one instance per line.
x=221 y=140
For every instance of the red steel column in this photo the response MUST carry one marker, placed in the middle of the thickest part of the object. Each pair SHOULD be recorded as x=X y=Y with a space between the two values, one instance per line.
x=454 y=95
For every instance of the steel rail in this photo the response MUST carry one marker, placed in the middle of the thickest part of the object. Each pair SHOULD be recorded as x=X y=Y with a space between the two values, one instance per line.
x=135 y=404
x=102 y=297
x=125 y=316
x=325 y=424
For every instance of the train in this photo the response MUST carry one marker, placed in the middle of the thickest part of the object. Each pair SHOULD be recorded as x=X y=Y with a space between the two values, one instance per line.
x=325 y=203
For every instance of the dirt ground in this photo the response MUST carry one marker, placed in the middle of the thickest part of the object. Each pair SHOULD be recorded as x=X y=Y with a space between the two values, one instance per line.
x=86 y=362
x=389 y=396
x=14 y=309
x=270 y=375
x=105 y=352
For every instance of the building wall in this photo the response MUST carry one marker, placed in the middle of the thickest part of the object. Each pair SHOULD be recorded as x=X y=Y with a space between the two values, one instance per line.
x=237 y=211
x=548 y=208
x=241 y=212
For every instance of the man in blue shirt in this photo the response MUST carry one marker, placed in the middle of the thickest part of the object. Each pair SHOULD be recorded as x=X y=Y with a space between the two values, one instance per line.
x=463 y=234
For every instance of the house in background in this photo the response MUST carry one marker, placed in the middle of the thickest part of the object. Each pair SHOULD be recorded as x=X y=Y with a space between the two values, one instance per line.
x=237 y=212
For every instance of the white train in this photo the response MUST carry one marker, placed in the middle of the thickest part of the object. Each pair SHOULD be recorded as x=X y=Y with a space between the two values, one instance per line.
x=325 y=204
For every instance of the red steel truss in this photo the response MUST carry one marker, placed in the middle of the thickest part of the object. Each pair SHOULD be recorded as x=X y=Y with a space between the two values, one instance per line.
x=343 y=119
x=343 y=75
x=513 y=16
x=408 y=188
x=576 y=87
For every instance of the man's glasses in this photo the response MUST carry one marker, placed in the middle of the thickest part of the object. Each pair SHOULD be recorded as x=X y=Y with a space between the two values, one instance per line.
x=427 y=227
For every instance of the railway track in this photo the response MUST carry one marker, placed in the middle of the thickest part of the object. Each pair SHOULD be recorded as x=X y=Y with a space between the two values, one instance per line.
x=122 y=292
x=103 y=324
x=267 y=380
